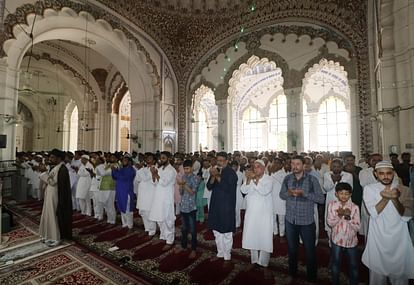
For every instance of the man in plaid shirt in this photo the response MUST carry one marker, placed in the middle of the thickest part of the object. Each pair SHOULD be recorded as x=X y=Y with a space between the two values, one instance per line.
x=301 y=190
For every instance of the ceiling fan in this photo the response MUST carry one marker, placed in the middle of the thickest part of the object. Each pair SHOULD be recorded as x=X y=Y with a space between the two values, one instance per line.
x=58 y=130
x=28 y=89
x=38 y=137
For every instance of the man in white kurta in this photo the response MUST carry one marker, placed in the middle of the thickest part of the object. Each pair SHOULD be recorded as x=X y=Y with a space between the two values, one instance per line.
x=84 y=185
x=330 y=180
x=279 y=205
x=106 y=196
x=258 y=236
x=389 y=251
x=162 y=208
x=146 y=190
x=366 y=177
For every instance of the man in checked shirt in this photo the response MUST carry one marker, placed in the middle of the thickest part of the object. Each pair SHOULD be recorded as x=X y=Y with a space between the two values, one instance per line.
x=301 y=190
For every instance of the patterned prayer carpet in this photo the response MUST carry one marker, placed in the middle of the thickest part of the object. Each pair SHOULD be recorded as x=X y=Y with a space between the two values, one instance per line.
x=69 y=265
x=144 y=257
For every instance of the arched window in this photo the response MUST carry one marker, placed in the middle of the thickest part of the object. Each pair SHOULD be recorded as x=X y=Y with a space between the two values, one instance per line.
x=326 y=114
x=306 y=127
x=277 y=139
x=202 y=128
x=205 y=120
x=258 y=83
x=73 y=130
x=124 y=122
x=252 y=130
x=333 y=126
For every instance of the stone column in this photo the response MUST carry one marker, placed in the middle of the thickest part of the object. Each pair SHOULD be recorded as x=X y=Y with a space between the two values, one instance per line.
x=403 y=45
x=388 y=124
x=114 y=132
x=224 y=123
x=146 y=123
x=295 y=121
x=8 y=109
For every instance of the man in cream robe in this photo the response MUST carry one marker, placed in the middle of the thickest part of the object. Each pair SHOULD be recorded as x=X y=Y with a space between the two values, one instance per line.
x=389 y=251
x=84 y=185
x=162 y=208
x=258 y=236
x=146 y=189
x=49 y=227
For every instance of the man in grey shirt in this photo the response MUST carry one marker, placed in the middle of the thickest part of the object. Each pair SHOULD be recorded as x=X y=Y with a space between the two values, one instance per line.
x=301 y=190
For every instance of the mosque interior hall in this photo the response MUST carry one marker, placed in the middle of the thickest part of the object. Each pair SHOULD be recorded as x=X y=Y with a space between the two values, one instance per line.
x=191 y=76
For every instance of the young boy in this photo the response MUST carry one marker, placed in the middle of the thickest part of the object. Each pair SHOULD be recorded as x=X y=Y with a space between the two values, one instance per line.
x=343 y=218
x=188 y=188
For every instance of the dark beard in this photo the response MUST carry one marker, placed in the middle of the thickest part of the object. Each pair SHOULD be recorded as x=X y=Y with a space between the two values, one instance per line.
x=386 y=184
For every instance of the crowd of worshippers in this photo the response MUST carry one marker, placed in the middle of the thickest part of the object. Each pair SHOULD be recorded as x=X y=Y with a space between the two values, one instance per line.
x=284 y=194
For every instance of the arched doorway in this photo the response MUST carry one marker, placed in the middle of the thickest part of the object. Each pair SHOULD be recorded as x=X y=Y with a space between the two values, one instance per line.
x=73 y=130
x=326 y=108
x=204 y=120
x=124 y=122
x=257 y=106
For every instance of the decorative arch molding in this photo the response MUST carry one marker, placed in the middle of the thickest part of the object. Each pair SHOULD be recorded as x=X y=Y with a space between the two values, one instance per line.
x=72 y=25
x=250 y=67
x=118 y=96
x=337 y=79
x=65 y=66
x=56 y=7
x=355 y=44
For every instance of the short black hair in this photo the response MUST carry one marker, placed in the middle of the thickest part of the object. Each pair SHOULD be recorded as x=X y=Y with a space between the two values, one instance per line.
x=222 y=154
x=341 y=186
x=299 y=157
x=234 y=163
x=188 y=163
x=166 y=153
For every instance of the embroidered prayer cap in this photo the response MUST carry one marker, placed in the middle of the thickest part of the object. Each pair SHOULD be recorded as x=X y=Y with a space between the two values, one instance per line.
x=384 y=164
x=261 y=162
x=85 y=156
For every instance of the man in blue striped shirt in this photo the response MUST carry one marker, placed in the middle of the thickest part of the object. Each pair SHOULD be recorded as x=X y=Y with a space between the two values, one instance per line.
x=301 y=190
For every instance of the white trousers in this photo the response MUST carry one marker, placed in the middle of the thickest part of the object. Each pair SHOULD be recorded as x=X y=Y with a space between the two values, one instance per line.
x=167 y=231
x=75 y=202
x=85 y=206
x=279 y=225
x=224 y=243
x=149 y=226
x=108 y=205
x=97 y=209
x=238 y=217
x=378 y=279
x=260 y=257
x=363 y=230
x=127 y=218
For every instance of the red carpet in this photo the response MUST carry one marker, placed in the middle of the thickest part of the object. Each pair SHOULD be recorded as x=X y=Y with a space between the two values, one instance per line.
x=210 y=272
x=208 y=235
x=253 y=276
x=237 y=240
x=132 y=241
x=111 y=235
x=96 y=229
x=177 y=261
x=149 y=251
x=83 y=223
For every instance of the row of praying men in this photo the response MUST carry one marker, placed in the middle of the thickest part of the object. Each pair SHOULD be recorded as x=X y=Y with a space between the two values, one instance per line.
x=264 y=187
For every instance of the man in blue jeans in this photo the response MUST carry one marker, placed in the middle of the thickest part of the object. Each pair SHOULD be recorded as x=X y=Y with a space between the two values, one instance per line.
x=301 y=191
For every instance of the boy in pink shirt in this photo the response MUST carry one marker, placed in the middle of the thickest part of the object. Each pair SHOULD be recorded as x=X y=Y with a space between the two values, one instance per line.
x=343 y=218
